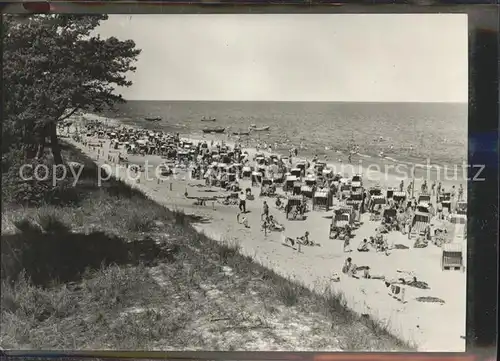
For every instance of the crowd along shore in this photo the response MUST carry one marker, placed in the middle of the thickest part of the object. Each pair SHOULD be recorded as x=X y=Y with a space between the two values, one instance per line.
x=403 y=275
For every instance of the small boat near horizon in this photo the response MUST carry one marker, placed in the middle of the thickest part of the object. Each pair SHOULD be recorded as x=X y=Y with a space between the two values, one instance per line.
x=153 y=119
x=204 y=119
x=213 y=130
x=241 y=133
x=260 y=129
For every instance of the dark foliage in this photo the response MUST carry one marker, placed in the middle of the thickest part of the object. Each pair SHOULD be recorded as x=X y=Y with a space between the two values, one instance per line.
x=53 y=67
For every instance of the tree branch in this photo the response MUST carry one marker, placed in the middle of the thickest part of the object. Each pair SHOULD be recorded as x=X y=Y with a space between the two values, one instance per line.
x=68 y=115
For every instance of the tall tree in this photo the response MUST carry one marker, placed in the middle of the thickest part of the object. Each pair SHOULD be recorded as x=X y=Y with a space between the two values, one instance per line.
x=56 y=65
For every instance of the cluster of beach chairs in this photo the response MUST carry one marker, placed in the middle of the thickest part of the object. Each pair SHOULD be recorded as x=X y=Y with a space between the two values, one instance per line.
x=300 y=186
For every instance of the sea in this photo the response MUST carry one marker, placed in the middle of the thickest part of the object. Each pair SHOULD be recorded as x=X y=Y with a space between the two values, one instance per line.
x=422 y=133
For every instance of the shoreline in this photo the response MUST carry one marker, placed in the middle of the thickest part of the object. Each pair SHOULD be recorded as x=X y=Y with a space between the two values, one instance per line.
x=404 y=154
x=376 y=171
x=425 y=324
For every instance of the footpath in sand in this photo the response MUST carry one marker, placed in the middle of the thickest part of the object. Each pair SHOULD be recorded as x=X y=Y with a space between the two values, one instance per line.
x=432 y=326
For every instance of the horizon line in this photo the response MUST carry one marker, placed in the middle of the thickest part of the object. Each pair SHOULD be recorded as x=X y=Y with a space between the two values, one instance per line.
x=298 y=101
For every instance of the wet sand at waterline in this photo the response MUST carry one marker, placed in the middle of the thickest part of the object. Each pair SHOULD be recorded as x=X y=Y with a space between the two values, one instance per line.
x=431 y=326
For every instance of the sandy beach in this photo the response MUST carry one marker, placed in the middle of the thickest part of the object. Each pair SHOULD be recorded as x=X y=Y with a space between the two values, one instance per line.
x=432 y=326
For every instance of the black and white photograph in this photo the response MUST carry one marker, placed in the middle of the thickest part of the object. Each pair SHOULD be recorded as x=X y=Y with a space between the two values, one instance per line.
x=235 y=182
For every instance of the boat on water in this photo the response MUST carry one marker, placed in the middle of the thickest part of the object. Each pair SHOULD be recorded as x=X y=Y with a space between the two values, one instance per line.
x=213 y=130
x=241 y=133
x=152 y=119
x=204 y=119
x=260 y=129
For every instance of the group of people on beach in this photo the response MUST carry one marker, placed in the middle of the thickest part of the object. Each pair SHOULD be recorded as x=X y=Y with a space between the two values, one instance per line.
x=436 y=189
x=215 y=162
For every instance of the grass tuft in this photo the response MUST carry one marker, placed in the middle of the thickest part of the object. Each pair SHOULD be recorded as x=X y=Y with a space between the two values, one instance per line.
x=51 y=220
x=138 y=222
x=25 y=299
x=26 y=225
x=289 y=292
x=227 y=251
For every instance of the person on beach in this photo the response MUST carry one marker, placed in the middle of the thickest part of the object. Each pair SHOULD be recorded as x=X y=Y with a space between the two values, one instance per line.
x=408 y=227
x=401 y=185
x=243 y=201
x=408 y=189
x=265 y=210
x=273 y=225
x=363 y=247
x=438 y=189
x=433 y=188
x=347 y=265
x=347 y=243
x=432 y=211
x=265 y=225
x=305 y=239
x=367 y=274
x=349 y=268
x=423 y=188
x=440 y=210
x=453 y=192
x=279 y=204
x=460 y=192
x=241 y=219
x=289 y=241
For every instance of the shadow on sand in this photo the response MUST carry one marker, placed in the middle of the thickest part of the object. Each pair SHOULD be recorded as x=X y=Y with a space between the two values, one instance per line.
x=195 y=219
x=65 y=256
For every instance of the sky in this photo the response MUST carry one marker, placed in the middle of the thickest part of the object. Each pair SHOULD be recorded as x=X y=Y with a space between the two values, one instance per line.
x=297 y=57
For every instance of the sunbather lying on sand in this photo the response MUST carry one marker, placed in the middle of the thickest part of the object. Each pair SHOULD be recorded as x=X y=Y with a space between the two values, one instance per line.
x=367 y=274
x=364 y=246
x=300 y=241
x=420 y=242
x=273 y=225
x=335 y=277
x=291 y=242
x=418 y=284
x=270 y=224
x=242 y=220
x=407 y=279
x=306 y=241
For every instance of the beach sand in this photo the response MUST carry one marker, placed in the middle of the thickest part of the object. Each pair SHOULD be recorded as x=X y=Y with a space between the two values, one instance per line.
x=430 y=326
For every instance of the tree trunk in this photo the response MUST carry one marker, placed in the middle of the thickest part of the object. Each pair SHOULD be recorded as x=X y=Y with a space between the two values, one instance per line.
x=29 y=147
x=54 y=143
x=41 y=144
x=29 y=152
x=40 y=149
